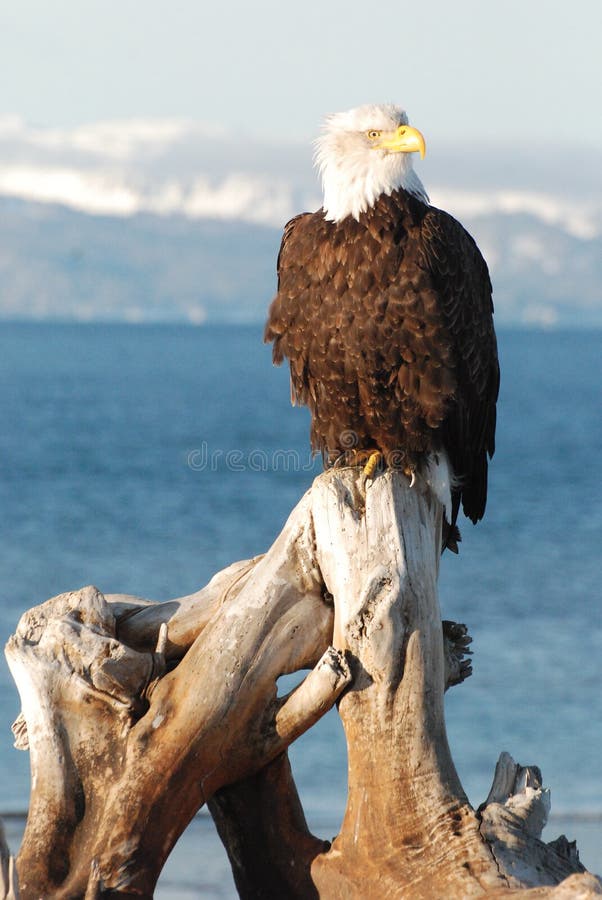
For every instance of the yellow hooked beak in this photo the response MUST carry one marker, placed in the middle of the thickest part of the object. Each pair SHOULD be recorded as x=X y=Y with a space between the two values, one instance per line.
x=404 y=139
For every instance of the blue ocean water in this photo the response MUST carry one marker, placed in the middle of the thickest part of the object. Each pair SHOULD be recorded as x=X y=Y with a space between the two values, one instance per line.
x=144 y=458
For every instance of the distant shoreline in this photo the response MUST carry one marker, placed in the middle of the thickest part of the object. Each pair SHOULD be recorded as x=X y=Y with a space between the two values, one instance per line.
x=63 y=322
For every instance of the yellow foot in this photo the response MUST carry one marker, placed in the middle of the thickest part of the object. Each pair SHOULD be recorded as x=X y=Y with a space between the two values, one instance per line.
x=374 y=461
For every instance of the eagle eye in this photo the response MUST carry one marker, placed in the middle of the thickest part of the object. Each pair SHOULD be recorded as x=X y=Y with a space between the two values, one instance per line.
x=373 y=134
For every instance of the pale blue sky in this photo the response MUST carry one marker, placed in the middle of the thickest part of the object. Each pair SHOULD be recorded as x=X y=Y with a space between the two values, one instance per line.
x=507 y=70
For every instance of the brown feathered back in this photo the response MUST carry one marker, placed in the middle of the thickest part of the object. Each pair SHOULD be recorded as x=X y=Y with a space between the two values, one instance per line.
x=387 y=326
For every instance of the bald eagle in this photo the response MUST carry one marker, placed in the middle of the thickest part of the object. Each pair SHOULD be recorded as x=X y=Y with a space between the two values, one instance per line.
x=385 y=314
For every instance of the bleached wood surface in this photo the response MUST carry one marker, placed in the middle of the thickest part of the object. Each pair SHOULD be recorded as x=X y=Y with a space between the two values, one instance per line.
x=136 y=714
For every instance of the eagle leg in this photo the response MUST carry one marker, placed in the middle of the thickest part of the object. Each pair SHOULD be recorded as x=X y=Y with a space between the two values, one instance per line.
x=374 y=462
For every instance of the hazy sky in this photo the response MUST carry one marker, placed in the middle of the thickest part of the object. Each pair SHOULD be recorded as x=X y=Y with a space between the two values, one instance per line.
x=508 y=70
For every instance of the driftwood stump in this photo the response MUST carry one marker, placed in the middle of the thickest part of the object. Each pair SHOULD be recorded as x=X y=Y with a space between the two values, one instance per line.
x=138 y=713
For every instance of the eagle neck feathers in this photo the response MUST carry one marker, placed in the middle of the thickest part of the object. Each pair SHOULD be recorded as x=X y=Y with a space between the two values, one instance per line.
x=351 y=187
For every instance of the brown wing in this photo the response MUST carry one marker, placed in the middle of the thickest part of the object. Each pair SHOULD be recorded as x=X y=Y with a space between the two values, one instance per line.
x=461 y=279
x=286 y=311
x=305 y=325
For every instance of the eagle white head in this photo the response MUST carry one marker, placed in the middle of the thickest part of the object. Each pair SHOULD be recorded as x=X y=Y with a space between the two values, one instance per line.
x=364 y=153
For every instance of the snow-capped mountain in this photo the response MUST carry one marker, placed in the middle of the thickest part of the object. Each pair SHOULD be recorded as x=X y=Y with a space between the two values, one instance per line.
x=173 y=219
